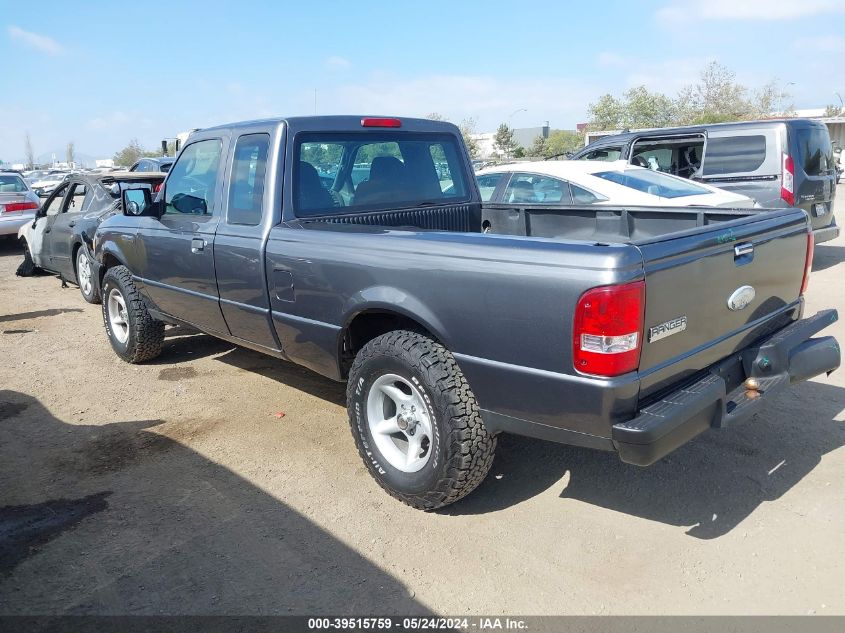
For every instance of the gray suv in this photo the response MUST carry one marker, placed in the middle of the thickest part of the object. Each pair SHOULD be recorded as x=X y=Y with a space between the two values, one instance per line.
x=778 y=163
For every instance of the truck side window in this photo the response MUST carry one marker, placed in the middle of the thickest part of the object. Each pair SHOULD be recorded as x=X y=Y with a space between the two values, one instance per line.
x=190 y=185
x=246 y=188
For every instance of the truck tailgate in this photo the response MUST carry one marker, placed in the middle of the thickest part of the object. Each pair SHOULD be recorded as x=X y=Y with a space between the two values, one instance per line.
x=690 y=320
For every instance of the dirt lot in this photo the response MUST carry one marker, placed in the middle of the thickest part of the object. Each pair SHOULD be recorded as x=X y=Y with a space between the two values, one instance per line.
x=173 y=487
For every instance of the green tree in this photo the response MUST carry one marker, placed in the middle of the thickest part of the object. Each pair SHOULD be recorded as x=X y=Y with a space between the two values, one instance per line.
x=519 y=152
x=561 y=142
x=130 y=154
x=504 y=141
x=538 y=148
x=643 y=109
x=606 y=113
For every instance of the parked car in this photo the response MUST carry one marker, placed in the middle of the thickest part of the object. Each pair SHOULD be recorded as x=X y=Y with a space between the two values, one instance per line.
x=593 y=182
x=59 y=238
x=778 y=163
x=159 y=165
x=18 y=203
x=639 y=330
x=48 y=184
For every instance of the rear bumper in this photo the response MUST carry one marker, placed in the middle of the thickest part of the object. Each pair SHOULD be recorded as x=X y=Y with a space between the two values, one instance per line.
x=826 y=234
x=10 y=224
x=719 y=398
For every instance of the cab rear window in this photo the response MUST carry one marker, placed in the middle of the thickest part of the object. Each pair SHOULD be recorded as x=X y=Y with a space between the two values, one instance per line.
x=344 y=172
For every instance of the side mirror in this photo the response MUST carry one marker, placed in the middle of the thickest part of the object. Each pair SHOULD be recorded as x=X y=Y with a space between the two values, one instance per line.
x=136 y=202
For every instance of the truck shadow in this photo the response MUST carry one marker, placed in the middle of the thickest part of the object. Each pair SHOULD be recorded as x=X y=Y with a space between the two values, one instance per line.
x=709 y=486
x=825 y=257
x=125 y=518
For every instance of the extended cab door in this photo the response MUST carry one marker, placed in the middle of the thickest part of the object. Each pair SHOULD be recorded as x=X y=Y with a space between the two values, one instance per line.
x=175 y=252
x=238 y=245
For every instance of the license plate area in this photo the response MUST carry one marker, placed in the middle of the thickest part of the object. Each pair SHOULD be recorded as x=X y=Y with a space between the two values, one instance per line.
x=819 y=209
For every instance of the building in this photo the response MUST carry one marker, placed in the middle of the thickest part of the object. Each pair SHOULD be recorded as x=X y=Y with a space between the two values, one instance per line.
x=524 y=137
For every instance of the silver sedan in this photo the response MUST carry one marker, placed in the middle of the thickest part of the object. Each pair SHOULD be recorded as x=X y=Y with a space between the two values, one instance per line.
x=18 y=203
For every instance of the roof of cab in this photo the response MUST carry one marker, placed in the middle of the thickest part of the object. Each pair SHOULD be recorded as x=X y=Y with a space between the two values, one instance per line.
x=336 y=123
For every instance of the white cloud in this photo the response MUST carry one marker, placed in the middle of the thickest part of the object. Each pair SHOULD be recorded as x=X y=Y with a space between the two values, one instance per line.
x=337 y=63
x=35 y=41
x=758 y=10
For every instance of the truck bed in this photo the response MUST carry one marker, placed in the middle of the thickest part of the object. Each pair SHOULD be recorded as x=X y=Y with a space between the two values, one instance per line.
x=588 y=223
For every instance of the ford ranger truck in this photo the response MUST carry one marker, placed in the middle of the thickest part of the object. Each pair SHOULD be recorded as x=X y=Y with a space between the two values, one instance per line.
x=358 y=247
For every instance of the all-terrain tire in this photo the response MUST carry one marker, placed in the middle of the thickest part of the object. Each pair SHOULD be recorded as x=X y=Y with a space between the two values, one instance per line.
x=27 y=267
x=144 y=335
x=462 y=449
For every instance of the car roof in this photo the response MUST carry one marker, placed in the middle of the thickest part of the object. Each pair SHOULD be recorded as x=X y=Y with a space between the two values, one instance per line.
x=330 y=123
x=562 y=168
x=624 y=137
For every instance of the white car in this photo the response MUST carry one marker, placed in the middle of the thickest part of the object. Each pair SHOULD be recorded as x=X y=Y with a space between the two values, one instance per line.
x=47 y=185
x=577 y=182
x=18 y=203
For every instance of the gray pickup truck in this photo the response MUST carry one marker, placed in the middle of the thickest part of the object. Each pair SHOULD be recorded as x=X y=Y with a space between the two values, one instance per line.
x=359 y=248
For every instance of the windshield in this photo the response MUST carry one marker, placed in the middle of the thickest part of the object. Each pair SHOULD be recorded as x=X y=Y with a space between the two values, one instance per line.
x=653 y=182
x=12 y=184
x=341 y=172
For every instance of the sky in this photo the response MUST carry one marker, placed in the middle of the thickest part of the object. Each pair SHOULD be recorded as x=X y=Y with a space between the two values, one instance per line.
x=102 y=73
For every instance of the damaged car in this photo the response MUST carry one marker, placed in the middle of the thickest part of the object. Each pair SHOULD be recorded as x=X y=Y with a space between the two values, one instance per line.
x=59 y=239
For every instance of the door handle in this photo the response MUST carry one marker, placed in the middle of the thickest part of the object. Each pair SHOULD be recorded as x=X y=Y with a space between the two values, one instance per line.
x=197 y=244
x=46 y=230
x=71 y=224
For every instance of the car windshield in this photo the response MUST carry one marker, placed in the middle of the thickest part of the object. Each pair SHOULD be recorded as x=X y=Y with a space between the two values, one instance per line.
x=12 y=184
x=653 y=182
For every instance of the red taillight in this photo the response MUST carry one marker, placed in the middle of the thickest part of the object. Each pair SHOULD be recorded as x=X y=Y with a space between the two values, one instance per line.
x=16 y=207
x=157 y=188
x=808 y=265
x=787 y=186
x=608 y=329
x=380 y=122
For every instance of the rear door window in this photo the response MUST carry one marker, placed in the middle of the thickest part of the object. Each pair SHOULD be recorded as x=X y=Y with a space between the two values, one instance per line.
x=487 y=184
x=246 y=186
x=537 y=189
x=336 y=172
x=734 y=154
x=814 y=150
x=584 y=196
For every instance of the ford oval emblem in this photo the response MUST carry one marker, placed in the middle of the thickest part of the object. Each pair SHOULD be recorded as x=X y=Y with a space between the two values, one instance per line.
x=741 y=297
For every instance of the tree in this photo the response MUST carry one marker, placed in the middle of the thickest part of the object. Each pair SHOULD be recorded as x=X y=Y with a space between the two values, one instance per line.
x=770 y=99
x=435 y=116
x=130 y=154
x=833 y=110
x=504 y=141
x=606 y=113
x=30 y=153
x=467 y=128
x=647 y=109
x=716 y=98
x=519 y=152
x=70 y=154
x=538 y=148
x=562 y=142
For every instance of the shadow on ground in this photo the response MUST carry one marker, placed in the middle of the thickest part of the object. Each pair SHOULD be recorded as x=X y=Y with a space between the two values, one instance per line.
x=709 y=485
x=123 y=518
x=825 y=257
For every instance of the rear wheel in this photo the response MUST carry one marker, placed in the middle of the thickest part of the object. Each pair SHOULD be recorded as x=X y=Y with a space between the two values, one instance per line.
x=415 y=421
x=134 y=335
x=85 y=277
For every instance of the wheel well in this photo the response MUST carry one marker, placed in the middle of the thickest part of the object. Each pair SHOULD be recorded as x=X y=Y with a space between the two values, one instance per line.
x=73 y=254
x=369 y=325
x=109 y=261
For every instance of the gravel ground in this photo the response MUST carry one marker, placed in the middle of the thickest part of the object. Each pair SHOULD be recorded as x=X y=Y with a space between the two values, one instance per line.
x=175 y=487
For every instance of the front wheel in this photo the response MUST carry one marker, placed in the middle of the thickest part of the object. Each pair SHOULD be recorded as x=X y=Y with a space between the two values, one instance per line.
x=134 y=335
x=27 y=267
x=416 y=422
x=85 y=277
